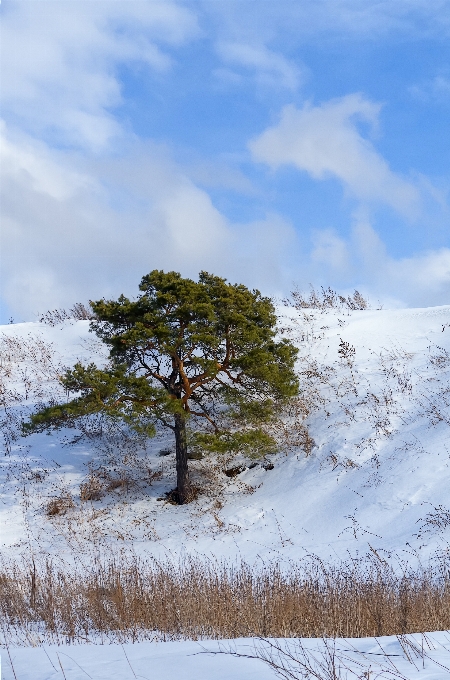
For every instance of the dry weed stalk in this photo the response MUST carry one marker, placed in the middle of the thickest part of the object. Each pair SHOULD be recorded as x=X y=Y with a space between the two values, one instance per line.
x=292 y=660
x=326 y=299
x=79 y=312
x=332 y=659
x=29 y=369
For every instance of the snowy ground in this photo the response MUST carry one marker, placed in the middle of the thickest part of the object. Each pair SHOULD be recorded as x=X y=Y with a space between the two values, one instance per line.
x=385 y=658
x=376 y=479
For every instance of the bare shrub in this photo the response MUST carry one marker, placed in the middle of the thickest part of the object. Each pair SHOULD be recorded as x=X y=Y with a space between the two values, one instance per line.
x=125 y=482
x=54 y=317
x=289 y=429
x=120 y=457
x=326 y=298
x=436 y=520
x=346 y=351
x=194 y=600
x=116 y=484
x=38 y=475
x=345 y=393
x=81 y=313
x=124 y=473
x=441 y=358
x=433 y=398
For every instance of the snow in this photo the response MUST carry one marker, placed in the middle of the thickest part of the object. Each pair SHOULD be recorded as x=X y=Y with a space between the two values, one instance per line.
x=362 y=488
x=220 y=659
x=376 y=480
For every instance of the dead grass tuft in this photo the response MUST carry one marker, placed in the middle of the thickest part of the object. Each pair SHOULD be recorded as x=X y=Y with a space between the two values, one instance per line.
x=93 y=489
x=172 y=496
x=59 y=505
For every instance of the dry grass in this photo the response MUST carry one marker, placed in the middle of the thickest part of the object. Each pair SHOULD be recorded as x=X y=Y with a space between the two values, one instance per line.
x=101 y=481
x=325 y=299
x=54 y=317
x=59 y=505
x=195 y=600
x=29 y=368
x=93 y=489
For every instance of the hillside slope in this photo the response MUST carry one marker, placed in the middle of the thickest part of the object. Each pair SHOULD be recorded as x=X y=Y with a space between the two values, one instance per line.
x=375 y=401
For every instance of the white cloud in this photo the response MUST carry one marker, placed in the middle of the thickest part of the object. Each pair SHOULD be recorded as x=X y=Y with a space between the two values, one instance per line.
x=324 y=141
x=264 y=253
x=59 y=61
x=74 y=229
x=191 y=223
x=313 y=20
x=271 y=69
x=362 y=261
x=32 y=163
x=330 y=250
x=372 y=18
x=436 y=89
x=422 y=280
x=80 y=226
x=77 y=229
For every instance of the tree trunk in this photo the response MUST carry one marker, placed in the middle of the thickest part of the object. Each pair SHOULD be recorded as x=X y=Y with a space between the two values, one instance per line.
x=184 y=490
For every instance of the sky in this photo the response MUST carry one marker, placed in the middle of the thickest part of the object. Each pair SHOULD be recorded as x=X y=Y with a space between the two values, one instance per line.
x=277 y=144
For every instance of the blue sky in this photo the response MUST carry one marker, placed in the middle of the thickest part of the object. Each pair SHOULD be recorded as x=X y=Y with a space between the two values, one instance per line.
x=274 y=143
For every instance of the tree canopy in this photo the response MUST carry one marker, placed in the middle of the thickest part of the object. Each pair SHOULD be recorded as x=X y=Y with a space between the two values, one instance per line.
x=203 y=354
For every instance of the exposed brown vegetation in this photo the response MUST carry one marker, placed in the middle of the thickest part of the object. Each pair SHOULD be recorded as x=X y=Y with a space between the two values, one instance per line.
x=197 y=600
x=93 y=489
x=59 y=505
x=234 y=471
x=79 y=312
x=326 y=298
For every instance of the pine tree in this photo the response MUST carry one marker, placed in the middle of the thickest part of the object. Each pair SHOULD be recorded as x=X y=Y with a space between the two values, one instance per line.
x=203 y=354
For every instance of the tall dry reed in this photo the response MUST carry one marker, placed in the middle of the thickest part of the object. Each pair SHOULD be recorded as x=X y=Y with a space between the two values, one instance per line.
x=193 y=600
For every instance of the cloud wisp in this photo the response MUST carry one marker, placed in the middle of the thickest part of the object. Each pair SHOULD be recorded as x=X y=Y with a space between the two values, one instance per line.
x=330 y=20
x=325 y=142
x=270 y=68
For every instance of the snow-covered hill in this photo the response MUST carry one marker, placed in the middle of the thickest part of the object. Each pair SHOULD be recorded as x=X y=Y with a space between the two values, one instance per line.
x=376 y=385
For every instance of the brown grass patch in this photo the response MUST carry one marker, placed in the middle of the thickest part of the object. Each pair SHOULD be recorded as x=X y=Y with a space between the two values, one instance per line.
x=59 y=505
x=197 y=600
x=93 y=489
